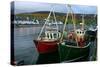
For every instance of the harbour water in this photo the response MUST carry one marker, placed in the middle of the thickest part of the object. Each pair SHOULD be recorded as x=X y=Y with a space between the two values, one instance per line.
x=24 y=46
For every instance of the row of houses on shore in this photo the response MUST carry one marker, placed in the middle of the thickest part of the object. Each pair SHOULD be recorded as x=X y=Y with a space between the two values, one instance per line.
x=35 y=22
x=25 y=22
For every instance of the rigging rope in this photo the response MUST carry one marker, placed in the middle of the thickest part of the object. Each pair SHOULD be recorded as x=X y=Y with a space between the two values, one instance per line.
x=55 y=20
x=47 y=21
x=64 y=27
x=44 y=24
x=83 y=21
x=74 y=22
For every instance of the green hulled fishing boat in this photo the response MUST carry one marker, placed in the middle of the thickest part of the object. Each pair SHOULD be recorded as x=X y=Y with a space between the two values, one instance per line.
x=74 y=45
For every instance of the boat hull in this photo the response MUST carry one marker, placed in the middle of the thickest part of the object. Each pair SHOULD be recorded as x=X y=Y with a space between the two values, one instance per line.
x=46 y=46
x=69 y=54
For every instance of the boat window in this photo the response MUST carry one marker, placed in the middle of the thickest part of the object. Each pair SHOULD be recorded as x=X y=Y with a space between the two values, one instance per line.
x=55 y=35
x=77 y=32
x=51 y=36
x=80 y=32
x=59 y=35
x=47 y=35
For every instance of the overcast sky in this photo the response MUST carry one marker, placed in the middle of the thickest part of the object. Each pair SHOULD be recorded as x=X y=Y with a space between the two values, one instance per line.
x=27 y=6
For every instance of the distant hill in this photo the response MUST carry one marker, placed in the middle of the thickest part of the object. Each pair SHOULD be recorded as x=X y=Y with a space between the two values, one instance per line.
x=59 y=16
x=42 y=15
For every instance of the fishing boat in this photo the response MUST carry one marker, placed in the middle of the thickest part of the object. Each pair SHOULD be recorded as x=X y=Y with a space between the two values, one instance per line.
x=74 y=47
x=48 y=37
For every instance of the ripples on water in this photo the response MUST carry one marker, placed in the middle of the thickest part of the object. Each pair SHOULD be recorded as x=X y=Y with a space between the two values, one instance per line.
x=24 y=45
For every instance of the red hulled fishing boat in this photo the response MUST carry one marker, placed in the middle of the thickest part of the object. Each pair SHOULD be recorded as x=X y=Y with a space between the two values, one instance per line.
x=49 y=36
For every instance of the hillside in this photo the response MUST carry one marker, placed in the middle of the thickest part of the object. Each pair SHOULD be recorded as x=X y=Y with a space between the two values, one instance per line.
x=89 y=18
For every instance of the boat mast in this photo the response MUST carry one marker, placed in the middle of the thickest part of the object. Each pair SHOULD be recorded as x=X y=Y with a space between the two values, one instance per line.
x=83 y=21
x=55 y=20
x=64 y=26
x=73 y=17
x=51 y=11
x=44 y=24
x=74 y=22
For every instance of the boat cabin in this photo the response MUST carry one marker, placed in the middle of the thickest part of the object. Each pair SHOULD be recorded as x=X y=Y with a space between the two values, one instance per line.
x=80 y=37
x=80 y=33
x=52 y=35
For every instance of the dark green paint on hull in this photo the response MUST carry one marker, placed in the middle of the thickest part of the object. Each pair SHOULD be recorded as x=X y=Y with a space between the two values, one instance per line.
x=70 y=54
